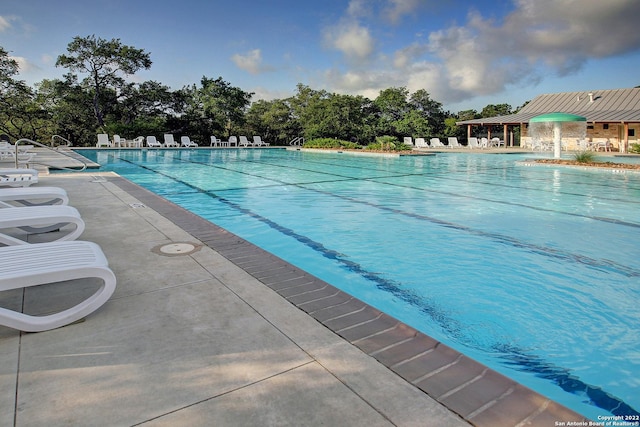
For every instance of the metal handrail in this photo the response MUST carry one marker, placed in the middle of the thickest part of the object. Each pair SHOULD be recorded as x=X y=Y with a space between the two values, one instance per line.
x=297 y=141
x=31 y=142
x=53 y=141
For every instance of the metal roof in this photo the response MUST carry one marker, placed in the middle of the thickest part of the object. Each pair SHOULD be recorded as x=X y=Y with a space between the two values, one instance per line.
x=615 y=105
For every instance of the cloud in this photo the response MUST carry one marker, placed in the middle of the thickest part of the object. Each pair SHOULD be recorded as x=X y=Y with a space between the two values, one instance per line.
x=251 y=62
x=483 y=56
x=358 y=8
x=397 y=9
x=5 y=23
x=23 y=64
x=353 y=40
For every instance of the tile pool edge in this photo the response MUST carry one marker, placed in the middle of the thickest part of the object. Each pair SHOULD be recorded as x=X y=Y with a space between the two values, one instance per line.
x=478 y=394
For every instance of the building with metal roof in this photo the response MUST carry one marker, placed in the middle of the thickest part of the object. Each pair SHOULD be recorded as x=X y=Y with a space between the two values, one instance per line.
x=613 y=116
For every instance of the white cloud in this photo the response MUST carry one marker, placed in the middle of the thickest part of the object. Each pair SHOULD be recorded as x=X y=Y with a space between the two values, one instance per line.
x=397 y=9
x=483 y=56
x=5 y=23
x=251 y=62
x=358 y=8
x=23 y=64
x=353 y=40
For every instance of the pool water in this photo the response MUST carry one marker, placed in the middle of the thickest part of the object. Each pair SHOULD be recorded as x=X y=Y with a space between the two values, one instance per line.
x=531 y=270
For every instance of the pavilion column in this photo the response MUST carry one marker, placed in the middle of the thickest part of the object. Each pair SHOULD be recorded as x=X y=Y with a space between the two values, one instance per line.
x=468 y=132
x=624 y=141
x=506 y=134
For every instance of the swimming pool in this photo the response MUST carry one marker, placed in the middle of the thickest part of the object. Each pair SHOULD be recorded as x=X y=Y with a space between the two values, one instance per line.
x=530 y=270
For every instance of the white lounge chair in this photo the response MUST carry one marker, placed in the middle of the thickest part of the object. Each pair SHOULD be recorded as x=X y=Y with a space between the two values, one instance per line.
x=185 y=141
x=33 y=196
x=495 y=142
x=453 y=142
x=244 y=141
x=152 y=142
x=47 y=263
x=119 y=142
x=407 y=141
x=473 y=143
x=39 y=219
x=20 y=177
x=9 y=153
x=137 y=142
x=421 y=143
x=233 y=141
x=103 y=140
x=435 y=143
x=169 y=141
x=484 y=143
x=258 y=142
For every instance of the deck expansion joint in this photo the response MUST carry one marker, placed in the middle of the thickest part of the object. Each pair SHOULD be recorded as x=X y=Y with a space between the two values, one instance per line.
x=437 y=371
x=390 y=346
x=384 y=331
x=463 y=385
x=345 y=314
x=359 y=324
x=405 y=361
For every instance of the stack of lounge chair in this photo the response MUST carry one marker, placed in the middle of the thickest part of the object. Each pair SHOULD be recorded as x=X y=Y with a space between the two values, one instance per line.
x=28 y=211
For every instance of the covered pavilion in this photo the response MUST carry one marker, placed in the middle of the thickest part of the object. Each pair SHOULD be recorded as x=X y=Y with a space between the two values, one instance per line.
x=612 y=116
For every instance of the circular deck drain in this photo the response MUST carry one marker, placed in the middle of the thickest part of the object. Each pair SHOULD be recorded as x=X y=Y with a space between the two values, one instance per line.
x=176 y=249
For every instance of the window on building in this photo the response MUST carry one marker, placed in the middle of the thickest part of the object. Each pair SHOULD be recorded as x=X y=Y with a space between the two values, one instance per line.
x=632 y=132
x=605 y=126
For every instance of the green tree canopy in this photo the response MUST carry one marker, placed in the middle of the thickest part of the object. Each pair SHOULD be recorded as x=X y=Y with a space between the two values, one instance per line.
x=104 y=61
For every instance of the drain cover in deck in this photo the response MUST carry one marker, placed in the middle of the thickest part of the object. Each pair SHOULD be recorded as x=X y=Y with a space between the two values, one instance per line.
x=176 y=249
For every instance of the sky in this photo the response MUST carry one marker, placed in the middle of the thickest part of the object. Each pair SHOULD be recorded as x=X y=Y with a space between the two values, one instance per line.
x=465 y=54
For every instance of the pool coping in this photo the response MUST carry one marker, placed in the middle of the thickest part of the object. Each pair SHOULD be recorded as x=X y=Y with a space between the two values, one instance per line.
x=478 y=394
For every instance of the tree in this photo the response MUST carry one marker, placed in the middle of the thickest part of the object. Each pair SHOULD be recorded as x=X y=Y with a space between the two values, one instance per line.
x=430 y=109
x=492 y=110
x=273 y=120
x=224 y=105
x=20 y=115
x=69 y=106
x=104 y=61
x=392 y=107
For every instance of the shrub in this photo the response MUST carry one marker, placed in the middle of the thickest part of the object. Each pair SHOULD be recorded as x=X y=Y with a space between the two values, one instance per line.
x=330 y=143
x=388 y=143
x=634 y=148
x=585 y=157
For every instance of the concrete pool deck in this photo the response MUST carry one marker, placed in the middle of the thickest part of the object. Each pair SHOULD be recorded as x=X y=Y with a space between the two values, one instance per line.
x=230 y=335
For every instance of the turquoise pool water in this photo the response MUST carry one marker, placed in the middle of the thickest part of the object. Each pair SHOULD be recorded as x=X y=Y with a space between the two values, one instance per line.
x=532 y=270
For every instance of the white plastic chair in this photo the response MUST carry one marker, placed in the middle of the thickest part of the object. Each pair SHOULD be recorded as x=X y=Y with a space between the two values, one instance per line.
x=103 y=140
x=20 y=177
x=453 y=142
x=244 y=141
x=39 y=219
x=21 y=268
x=152 y=142
x=185 y=141
x=119 y=142
x=258 y=142
x=33 y=196
x=473 y=142
x=435 y=143
x=421 y=143
x=169 y=141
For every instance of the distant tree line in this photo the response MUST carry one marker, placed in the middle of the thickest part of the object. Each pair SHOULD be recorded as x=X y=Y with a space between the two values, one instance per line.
x=95 y=97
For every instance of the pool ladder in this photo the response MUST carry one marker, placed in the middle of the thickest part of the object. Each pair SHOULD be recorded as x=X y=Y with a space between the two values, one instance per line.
x=27 y=141
x=297 y=141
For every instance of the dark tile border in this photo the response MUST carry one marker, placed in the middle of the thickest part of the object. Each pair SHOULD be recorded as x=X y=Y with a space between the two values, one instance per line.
x=481 y=396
